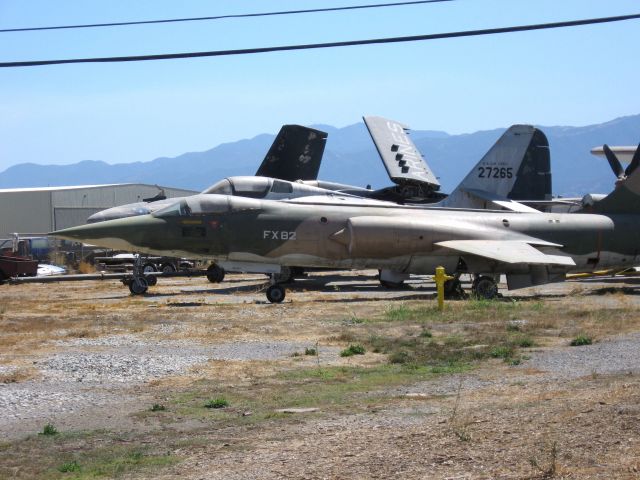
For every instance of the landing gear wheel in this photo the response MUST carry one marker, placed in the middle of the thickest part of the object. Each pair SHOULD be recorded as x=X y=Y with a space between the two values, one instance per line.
x=275 y=294
x=167 y=268
x=151 y=280
x=484 y=288
x=453 y=289
x=138 y=286
x=215 y=273
x=391 y=285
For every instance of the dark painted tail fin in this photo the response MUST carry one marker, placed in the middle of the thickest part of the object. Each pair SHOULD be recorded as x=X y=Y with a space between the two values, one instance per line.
x=533 y=180
x=516 y=167
x=295 y=154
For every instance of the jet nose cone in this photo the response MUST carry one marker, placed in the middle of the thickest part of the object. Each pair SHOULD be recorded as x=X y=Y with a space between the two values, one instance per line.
x=132 y=233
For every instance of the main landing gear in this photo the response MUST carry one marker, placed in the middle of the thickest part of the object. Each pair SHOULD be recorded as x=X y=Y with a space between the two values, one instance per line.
x=276 y=293
x=484 y=288
x=215 y=273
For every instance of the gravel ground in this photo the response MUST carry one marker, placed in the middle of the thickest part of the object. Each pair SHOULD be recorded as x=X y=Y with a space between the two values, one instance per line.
x=617 y=355
x=96 y=374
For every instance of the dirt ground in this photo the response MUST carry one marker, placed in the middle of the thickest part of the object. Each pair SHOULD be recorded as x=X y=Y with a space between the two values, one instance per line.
x=343 y=379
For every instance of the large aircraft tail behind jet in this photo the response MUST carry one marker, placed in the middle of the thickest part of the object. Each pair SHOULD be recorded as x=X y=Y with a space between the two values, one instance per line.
x=295 y=154
x=517 y=167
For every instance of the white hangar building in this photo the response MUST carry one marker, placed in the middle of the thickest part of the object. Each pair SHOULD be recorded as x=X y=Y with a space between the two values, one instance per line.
x=42 y=210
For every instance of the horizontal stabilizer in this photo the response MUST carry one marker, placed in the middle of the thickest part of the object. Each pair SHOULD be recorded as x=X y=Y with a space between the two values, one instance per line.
x=401 y=158
x=502 y=202
x=507 y=251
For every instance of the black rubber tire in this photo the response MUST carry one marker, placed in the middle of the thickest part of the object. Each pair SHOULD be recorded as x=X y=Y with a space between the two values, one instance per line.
x=167 y=268
x=215 y=273
x=275 y=294
x=138 y=286
x=149 y=267
x=484 y=288
x=152 y=280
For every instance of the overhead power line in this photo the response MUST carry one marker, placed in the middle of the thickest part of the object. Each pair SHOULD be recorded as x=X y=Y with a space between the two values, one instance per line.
x=247 y=51
x=223 y=17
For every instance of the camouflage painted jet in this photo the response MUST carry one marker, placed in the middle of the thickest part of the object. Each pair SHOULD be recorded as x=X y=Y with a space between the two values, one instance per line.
x=529 y=248
x=517 y=166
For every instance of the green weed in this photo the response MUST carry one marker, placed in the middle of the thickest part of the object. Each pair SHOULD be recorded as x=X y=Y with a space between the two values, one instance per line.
x=67 y=467
x=581 y=340
x=353 y=349
x=49 y=430
x=219 y=402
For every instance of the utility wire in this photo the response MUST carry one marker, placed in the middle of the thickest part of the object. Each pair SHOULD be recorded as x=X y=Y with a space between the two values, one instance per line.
x=221 y=17
x=246 y=51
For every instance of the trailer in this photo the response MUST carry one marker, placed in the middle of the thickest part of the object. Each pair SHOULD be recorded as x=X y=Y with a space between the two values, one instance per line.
x=17 y=266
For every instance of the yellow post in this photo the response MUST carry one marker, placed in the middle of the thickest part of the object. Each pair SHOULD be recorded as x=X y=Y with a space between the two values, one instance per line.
x=441 y=277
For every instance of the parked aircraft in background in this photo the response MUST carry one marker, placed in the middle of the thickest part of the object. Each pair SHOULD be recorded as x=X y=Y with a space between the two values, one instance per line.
x=517 y=167
x=616 y=156
x=623 y=154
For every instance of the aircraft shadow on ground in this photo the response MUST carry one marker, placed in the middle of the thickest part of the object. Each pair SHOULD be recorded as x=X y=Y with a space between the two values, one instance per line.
x=610 y=290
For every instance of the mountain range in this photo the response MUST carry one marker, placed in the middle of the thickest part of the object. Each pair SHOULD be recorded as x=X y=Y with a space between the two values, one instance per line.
x=350 y=157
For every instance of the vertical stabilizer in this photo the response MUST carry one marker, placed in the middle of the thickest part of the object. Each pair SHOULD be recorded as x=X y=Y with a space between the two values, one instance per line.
x=401 y=158
x=517 y=167
x=295 y=154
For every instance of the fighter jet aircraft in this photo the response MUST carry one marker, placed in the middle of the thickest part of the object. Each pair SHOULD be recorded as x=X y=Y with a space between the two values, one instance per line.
x=529 y=248
x=517 y=166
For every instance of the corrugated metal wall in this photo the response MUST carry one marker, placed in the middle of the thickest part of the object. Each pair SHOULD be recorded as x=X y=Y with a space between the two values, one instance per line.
x=25 y=212
x=41 y=211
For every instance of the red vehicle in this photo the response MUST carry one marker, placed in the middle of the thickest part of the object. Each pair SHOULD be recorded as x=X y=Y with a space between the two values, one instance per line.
x=15 y=263
x=13 y=266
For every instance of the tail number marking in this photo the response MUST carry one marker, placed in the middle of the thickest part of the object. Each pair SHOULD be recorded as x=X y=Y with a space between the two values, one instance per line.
x=278 y=235
x=495 y=172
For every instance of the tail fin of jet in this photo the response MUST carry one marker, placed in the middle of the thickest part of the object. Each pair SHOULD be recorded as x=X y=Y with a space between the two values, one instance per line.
x=517 y=167
x=295 y=154
x=401 y=158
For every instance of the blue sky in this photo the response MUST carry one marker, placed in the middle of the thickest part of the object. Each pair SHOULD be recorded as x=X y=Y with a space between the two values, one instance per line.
x=139 y=111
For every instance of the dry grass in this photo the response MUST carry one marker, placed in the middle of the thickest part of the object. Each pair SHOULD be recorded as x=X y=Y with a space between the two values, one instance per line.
x=504 y=429
x=19 y=374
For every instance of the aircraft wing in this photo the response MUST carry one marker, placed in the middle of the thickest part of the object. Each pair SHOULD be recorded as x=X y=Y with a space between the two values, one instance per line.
x=401 y=158
x=508 y=251
x=295 y=154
